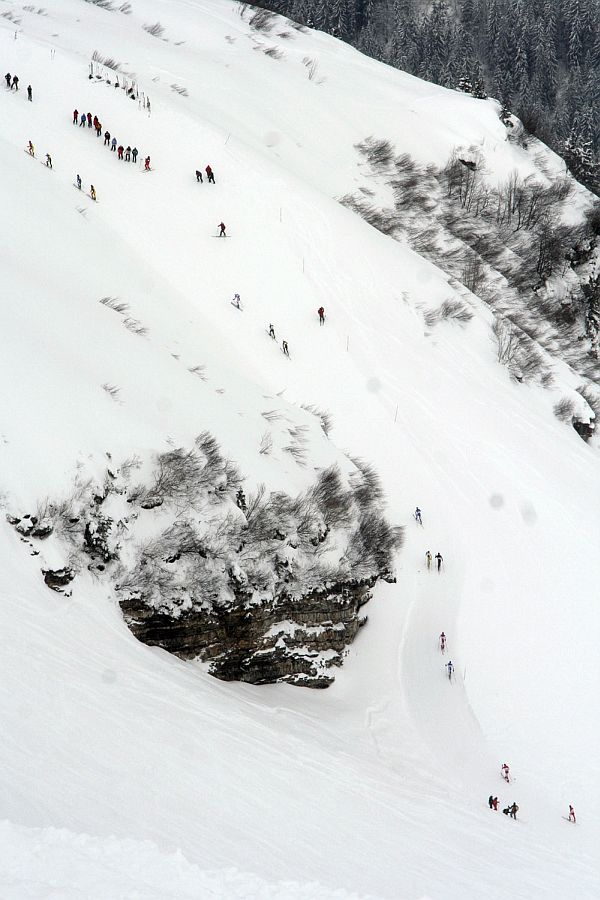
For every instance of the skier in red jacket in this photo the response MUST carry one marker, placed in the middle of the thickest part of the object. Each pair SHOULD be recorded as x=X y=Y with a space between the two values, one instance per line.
x=321 y=312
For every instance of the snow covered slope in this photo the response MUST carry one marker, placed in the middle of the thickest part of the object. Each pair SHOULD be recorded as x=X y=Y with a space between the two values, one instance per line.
x=379 y=785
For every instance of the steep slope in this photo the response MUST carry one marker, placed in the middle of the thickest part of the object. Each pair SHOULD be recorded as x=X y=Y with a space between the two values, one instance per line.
x=379 y=786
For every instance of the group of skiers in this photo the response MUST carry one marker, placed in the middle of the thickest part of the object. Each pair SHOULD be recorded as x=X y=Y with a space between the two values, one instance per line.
x=439 y=559
x=510 y=810
x=128 y=154
x=210 y=175
x=284 y=344
x=12 y=83
x=31 y=151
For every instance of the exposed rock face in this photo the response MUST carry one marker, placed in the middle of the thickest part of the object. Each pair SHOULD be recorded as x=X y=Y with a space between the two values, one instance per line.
x=57 y=579
x=287 y=639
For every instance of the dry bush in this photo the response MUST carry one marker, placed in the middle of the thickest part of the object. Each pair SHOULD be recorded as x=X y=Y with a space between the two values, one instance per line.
x=564 y=409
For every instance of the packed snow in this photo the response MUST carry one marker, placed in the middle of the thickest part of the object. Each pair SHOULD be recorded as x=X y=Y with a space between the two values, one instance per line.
x=127 y=772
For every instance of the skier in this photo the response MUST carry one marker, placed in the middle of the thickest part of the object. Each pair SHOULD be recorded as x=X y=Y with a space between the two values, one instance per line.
x=134 y=154
x=240 y=499
x=450 y=668
x=7 y=79
x=272 y=332
x=505 y=772
x=31 y=149
x=210 y=175
x=82 y=121
x=428 y=559
x=107 y=138
x=128 y=154
x=98 y=129
x=113 y=144
x=514 y=809
x=443 y=642
x=321 y=313
x=75 y=116
x=79 y=182
x=95 y=123
x=572 y=814
x=222 y=229
x=15 y=83
x=120 y=151
x=237 y=302
x=439 y=559
x=495 y=804
x=506 y=810
x=89 y=120
x=199 y=176
x=147 y=164
x=418 y=518
x=284 y=347
x=491 y=802
x=92 y=192
x=48 y=160
x=29 y=93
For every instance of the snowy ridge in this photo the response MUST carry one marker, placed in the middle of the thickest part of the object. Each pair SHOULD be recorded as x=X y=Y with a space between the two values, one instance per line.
x=379 y=785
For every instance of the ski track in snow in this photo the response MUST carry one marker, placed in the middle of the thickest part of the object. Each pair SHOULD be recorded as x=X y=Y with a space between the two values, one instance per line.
x=128 y=773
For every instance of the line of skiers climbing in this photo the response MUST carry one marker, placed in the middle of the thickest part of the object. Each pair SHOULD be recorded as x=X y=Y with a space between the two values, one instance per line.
x=237 y=302
x=12 y=83
x=284 y=344
x=31 y=151
x=128 y=154
x=92 y=188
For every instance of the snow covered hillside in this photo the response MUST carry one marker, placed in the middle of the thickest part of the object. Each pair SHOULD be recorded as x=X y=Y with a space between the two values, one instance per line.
x=182 y=785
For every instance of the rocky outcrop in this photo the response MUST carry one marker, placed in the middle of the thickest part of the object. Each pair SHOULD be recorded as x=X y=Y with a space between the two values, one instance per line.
x=290 y=639
x=57 y=579
x=263 y=586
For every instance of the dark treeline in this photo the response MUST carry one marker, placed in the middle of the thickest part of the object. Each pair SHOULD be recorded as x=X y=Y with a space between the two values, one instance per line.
x=539 y=58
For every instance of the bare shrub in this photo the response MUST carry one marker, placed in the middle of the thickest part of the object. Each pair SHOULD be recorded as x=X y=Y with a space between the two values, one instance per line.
x=431 y=317
x=116 y=304
x=107 y=61
x=198 y=371
x=262 y=20
x=312 y=65
x=373 y=544
x=274 y=52
x=272 y=415
x=135 y=326
x=325 y=417
x=506 y=339
x=157 y=30
x=297 y=452
x=103 y=4
x=384 y=220
x=473 y=274
x=565 y=409
x=333 y=500
x=378 y=153
x=112 y=391
x=366 y=484
x=456 y=310
x=266 y=444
